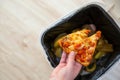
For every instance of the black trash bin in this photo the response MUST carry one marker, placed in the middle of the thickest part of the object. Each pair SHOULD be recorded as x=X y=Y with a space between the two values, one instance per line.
x=91 y=14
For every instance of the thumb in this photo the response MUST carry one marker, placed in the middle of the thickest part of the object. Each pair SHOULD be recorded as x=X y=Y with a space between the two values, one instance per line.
x=71 y=58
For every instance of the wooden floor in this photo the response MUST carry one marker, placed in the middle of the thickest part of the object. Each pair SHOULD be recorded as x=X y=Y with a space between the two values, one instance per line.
x=21 y=24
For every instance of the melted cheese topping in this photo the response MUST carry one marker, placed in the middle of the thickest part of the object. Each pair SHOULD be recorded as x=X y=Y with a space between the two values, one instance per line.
x=80 y=43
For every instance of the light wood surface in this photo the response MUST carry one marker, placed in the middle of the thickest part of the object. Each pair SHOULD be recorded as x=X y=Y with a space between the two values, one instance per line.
x=21 y=24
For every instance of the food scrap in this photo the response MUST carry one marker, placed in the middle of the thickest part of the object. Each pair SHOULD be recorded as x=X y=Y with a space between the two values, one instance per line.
x=89 y=44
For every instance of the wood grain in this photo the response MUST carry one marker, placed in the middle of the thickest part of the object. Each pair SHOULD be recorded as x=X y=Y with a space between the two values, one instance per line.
x=21 y=24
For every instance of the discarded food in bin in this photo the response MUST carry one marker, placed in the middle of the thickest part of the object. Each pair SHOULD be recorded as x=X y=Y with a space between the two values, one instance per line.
x=58 y=52
x=56 y=44
x=80 y=43
x=99 y=54
x=90 y=27
x=102 y=46
x=91 y=67
x=57 y=49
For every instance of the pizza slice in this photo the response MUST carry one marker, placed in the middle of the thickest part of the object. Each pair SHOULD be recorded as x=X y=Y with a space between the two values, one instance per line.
x=84 y=56
x=69 y=41
x=81 y=44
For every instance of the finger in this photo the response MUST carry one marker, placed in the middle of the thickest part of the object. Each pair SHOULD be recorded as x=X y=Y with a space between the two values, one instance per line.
x=71 y=58
x=79 y=66
x=63 y=58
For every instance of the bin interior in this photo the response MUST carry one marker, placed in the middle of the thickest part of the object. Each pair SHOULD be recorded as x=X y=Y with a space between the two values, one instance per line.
x=92 y=14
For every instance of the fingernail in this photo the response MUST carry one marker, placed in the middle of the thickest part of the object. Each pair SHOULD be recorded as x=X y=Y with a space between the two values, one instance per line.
x=72 y=53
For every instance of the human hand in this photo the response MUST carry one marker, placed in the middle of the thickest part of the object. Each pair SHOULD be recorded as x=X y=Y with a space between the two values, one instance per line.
x=67 y=69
